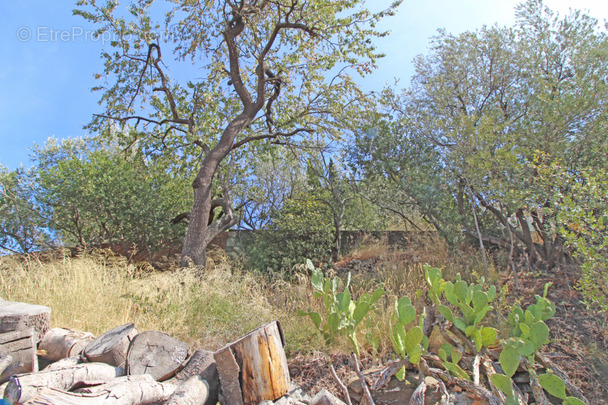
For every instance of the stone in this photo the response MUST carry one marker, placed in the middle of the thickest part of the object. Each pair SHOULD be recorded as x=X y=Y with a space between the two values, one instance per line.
x=325 y=397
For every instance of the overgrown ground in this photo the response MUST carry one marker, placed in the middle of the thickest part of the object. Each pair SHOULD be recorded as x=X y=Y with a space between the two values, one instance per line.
x=209 y=309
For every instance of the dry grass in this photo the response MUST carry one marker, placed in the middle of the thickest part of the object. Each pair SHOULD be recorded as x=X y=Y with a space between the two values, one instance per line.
x=95 y=294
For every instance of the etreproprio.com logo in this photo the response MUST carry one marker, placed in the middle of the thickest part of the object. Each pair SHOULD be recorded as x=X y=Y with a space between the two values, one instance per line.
x=50 y=34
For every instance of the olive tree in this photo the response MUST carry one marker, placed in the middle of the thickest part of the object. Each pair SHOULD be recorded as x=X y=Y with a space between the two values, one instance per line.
x=263 y=71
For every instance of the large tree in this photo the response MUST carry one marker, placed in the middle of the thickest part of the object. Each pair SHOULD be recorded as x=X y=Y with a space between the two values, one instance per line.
x=483 y=104
x=260 y=72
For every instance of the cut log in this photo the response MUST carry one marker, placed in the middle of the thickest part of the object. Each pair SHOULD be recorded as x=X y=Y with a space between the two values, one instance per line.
x=64 y=363
x=128 y=390
x=111 y=346
x=23 y=387
x=20 y=346
x=202 y=363
x=193 y=391
x=254 y=368
x=59 y=343
x=21 y=316
x=157 y=354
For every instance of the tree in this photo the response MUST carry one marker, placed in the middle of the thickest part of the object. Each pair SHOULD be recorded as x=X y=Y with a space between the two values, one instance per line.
x=93 y=194
x=483 y=103
x=261 y=67
x=23 y=227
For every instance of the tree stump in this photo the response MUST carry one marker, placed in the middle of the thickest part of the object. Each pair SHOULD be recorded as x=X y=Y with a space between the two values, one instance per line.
x=59 y=343
x=20 y=316
x=23 y=387
x=157 y=354
x=254 y=368
x=20 y=347
x=202 y=364
x=111 y=346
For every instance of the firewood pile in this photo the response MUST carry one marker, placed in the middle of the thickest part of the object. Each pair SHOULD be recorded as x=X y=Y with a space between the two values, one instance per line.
x=44 y=366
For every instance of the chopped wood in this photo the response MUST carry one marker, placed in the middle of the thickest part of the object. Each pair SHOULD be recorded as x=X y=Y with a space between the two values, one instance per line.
x=19 y=345
x=259 y=364
x=111 y=346
x=63 y=363
x=16 y=316
x=60 y=343
x=193 y=391
x=5 y=361
x=202 y=363
x=389 y=371
x=417 y=397
x=23 y=387
x=128 y=390
x=156 y=353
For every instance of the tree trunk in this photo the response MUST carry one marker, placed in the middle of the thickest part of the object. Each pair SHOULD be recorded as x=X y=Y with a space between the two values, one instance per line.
x=20 y=349
x=59 y=343
x=157 y=354
x=199 y=233
x=254 y=368
x=23 y=387
x=111 y=346
x=128 y=390
x=19 y=316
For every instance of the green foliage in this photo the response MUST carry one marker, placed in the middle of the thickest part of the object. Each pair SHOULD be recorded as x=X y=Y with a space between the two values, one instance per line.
x=451 y=357
x=472 y=302
x=96 y=194
x=23 y=227
x=410 y=344
x=343 y=314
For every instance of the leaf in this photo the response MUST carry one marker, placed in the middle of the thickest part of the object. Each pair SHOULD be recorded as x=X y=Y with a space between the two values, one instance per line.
x=379 y=293
x=553 y=385
x=509 y=360
x=317 y=278
x=345 y=301
x=460 y=290
x=488 y=336
x=360 y=311
x=401 y=373
x=413 y=339
x=503 y=383
x=459 y=323
x=480 y=300
x=539 y=334
x=572 y=401
x=456 y=356
x=407 y=312
x=446 y=312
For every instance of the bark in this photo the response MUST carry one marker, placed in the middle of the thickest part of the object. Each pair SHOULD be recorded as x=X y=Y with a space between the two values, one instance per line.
x=193 y=391
x=157 y=354
x=128 y=390
x=23 y=387
x=254 y=368
x=17 y=353
x=63 y=363
x=19 y=316
x=111 y=346
x=59 y=343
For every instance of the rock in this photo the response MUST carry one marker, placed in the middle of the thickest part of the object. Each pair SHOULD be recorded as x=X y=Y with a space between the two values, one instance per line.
x=325 y=397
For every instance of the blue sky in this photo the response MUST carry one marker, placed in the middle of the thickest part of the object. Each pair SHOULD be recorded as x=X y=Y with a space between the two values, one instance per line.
x=49 y=59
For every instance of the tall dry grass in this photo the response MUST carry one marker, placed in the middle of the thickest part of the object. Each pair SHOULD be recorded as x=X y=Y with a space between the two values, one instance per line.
x=212 y=308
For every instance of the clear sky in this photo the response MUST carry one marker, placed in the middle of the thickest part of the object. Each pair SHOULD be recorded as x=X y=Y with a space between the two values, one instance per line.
x=49 y=59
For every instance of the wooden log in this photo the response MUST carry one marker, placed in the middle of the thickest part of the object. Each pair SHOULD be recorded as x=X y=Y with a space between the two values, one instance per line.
x=23 y=387
x=128 y=390
x=254 y=368
x=157 y=354
x=20 y=346
x=64 y=363
x=111 y=347
x=202 y=363
x=21 y=316
x=59 y=343
x=193 y=391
